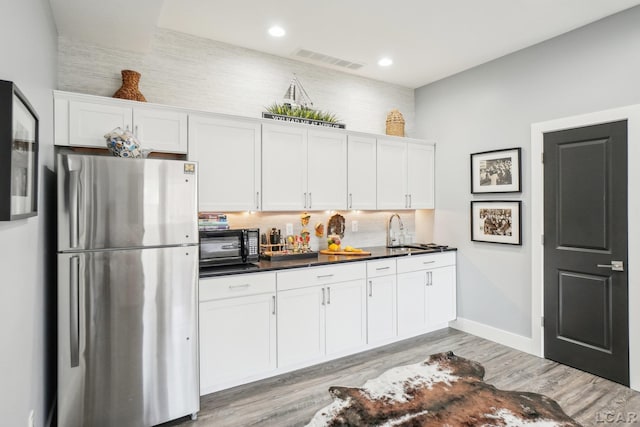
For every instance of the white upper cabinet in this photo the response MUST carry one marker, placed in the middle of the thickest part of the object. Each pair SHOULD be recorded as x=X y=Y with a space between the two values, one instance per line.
x=405 y=175
x=303 y=169
x=228 y=153
x=326 y=170
x=284 y=168
x=161 y=130
x=361 y=168
x=392 y=174
x=83 y=120
x=420 y=175
x=89 y=122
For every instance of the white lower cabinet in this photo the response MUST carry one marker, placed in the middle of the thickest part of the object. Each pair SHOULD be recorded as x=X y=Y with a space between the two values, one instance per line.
x=381 y=301
x=345 y=318
x=256 y=325
x=412 y=289
x=237 y=330
x=300 y=326
x=426 y=292
x=321 y=313
x=441 y=295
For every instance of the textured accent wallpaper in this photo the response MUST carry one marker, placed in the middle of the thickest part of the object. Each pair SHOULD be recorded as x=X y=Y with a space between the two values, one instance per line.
x=194 y=72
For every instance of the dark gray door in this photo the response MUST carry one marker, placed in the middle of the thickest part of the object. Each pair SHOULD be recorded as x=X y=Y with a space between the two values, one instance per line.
x=585 y=233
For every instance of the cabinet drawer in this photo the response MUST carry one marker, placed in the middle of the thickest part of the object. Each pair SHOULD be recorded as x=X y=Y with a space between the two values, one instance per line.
x=383 y=267
x=304 y=277
x=425 y=262
x=237 y=285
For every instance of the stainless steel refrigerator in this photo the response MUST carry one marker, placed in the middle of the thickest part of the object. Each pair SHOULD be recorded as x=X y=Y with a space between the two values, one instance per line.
x=127 y=291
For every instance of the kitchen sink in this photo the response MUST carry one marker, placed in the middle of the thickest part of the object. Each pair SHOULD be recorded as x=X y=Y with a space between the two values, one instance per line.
x=407 y=248
x=418 y=247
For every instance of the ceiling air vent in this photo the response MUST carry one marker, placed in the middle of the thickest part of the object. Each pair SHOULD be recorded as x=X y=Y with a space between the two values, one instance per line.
x=326 y=59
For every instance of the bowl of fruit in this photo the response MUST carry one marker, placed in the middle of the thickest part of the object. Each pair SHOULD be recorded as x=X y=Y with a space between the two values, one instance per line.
x=333 y=243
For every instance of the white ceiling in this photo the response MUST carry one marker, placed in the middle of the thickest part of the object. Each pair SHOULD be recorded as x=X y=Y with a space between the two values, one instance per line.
x=427 y=39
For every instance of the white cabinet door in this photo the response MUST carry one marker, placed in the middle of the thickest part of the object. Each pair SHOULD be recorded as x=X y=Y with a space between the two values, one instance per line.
x=228 y=153
x=411 y=302
x=441 y=295
x=301 y=326
x=326 y=170
x=392 y=175
x=381 y=309
x=89 y=122
x=284 y=168
x=361 y=170
x=161 y=130
x=237 y=340
x=420 y=171
x=346 y=316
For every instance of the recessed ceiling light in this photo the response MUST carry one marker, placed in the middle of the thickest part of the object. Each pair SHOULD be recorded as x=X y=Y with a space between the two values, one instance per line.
x=277 y=31
x=385 y=62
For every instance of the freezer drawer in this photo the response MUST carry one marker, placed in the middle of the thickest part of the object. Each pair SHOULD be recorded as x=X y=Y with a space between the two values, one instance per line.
x=127 y=337
x=108 y=202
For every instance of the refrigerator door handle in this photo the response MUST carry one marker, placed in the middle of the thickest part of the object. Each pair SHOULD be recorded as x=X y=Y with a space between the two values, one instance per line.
x=74 y=310
x=74 y=208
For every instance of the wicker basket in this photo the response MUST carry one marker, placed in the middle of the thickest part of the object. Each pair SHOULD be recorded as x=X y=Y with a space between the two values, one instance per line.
x=395 y=123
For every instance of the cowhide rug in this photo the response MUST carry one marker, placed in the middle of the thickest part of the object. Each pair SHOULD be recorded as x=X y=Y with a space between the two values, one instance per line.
x=444 y=390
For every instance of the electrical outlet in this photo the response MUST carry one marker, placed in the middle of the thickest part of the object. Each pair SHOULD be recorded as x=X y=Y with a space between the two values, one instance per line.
x=289 y=229
x=354 y=226
x=31 y=421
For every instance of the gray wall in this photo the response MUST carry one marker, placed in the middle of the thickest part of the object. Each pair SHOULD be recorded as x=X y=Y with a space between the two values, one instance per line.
x=193 y=72
x=492 y=106
x=29 y=51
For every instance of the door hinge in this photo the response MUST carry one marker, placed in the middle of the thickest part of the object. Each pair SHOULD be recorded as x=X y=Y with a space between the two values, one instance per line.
x=542 y=239
x=542 y=321
x=542 y=157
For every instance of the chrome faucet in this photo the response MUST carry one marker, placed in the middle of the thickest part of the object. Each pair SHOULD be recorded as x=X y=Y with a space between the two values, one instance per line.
x=392 y=241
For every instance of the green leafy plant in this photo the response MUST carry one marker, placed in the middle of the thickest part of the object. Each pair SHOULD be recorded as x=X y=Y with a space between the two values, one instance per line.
x=302 y=112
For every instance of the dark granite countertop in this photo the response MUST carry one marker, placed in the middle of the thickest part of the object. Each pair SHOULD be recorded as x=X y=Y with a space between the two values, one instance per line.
x=377 y=252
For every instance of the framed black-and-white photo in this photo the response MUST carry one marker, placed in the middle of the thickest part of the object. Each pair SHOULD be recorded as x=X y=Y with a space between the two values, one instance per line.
x=18 y=154
x=496 y=171
x=496 y=221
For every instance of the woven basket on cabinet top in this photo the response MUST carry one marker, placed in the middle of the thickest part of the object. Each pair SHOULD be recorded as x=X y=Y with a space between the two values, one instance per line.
x=395 y=123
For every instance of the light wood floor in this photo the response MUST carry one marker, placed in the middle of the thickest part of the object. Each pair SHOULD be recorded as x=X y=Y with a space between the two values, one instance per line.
x=292 y=399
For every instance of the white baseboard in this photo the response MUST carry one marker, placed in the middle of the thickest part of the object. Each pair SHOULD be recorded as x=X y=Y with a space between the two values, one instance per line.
x=490 y=333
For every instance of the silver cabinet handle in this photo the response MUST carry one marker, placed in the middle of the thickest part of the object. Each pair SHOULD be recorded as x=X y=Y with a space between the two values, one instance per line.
x=350 y=200
x=135 y=131
x=246 y=285
x=323 y=297
x=328 y=295
x=257 y=200
x=305 y=200
x=324 y=276
x=310 y=200
x=615 y=266
x=406 y=200
x=274 y=305
x=428 y=262
x=74 y=310
x=429 y=278
x=382 y=268
x=370 y=288
x=410 y=201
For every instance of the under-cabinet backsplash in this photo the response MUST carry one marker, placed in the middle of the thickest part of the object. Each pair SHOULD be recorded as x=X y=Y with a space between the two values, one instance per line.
x=371 y=226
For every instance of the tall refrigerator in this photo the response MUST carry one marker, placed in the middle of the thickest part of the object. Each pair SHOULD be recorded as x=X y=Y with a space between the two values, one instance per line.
x=127 y=291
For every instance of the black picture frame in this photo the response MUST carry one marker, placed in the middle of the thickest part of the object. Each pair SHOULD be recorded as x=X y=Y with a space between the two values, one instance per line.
x=19 y=146
x=496 y=171
x=497 y=221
